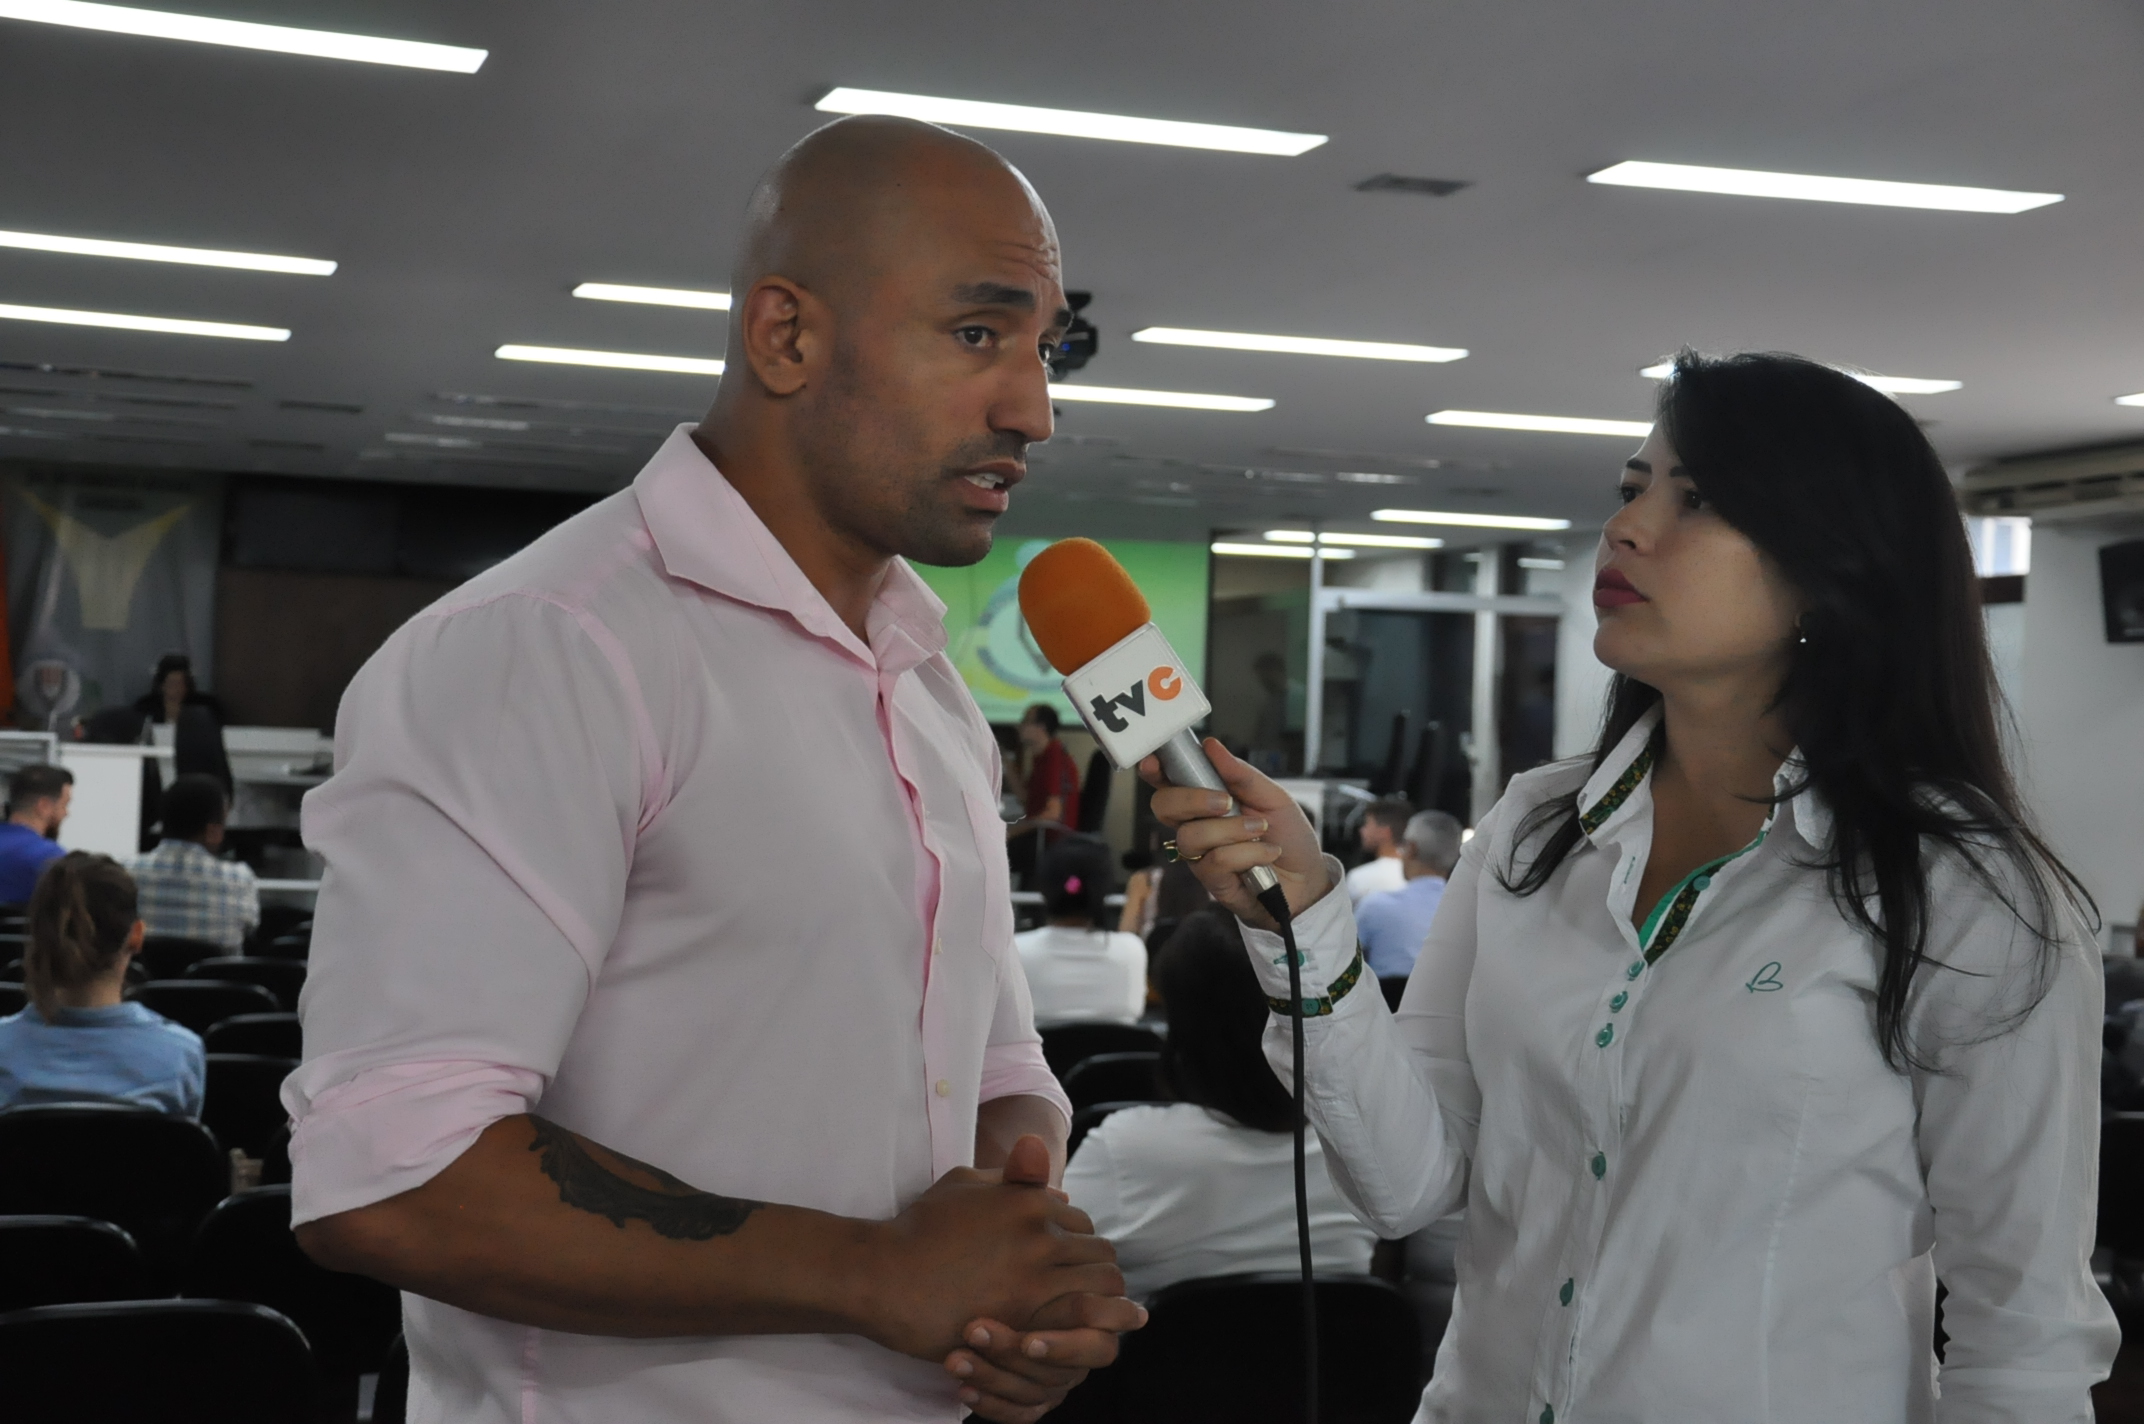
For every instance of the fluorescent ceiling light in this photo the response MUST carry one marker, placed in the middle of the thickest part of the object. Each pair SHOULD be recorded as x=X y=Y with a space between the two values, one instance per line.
x=1554 y=424
x=1466 y=521
x=1182 y=400
x=1298 y=345
x=2137 y=399
x=153 y=252
x=1367 y=541
x=120 y=321
x=653 y=296
x=1751 y=183
x=243 y=34
x=1889 y=385
x=1276 y=551
x=615 y=360
x=1546 y=565
x=1071 y=123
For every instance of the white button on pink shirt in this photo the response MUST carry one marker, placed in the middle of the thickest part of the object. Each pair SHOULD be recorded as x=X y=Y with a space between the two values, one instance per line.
x=633 y=831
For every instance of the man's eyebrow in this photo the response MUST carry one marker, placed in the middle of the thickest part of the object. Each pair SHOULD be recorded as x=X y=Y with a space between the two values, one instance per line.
x=994 y=294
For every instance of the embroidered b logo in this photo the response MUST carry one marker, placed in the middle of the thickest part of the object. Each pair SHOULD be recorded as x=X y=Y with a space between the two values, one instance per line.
x=1765 y=980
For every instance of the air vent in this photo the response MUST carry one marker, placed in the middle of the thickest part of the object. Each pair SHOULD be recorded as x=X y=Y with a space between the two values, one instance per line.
x=329 y=407
x=535 y=403
x=2083 y=484
x=110 y=373
x=1402 y=183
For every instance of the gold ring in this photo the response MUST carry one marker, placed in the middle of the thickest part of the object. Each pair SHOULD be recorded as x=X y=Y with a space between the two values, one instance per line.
x=1175 y=854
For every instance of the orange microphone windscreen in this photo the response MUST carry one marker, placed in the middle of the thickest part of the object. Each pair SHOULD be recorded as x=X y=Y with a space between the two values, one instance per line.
x=1079 y=602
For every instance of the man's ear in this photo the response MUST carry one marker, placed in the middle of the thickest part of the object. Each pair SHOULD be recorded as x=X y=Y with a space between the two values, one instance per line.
x=781 y=327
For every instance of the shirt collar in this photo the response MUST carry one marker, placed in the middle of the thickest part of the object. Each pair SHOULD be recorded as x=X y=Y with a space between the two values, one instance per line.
x=705 y=533
x=1622 y=783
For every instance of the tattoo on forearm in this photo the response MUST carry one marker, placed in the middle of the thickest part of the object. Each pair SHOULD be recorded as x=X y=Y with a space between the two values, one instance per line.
x=677 y=1210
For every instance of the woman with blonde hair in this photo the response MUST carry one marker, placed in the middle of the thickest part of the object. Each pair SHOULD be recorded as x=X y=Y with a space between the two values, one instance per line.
x=79 y=1040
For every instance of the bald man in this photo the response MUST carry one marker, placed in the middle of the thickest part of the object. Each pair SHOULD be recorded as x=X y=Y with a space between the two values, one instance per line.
x=651 y=1116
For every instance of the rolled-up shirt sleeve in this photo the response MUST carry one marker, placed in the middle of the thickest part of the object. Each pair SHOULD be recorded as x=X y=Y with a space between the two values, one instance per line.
x=477 y=835
x=1013 y=1065
x=2009 y=1146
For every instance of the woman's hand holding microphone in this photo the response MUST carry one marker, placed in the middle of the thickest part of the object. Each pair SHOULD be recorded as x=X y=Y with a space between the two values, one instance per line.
x=1222 y=838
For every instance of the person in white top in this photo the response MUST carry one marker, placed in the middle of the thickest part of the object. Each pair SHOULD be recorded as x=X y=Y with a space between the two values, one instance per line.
x=651 y=1118
x=1205 y=1185
x=1076 y=969
x=1740 y=1035
x=1384 y=822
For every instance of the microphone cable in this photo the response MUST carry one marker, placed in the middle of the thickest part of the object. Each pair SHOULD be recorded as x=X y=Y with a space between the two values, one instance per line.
x=1275 y=901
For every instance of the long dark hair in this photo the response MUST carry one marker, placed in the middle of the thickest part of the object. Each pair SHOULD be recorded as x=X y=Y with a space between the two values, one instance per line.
x=80 y=915
x=1076 y=878
x=1217 y=1021
x=1890 y=697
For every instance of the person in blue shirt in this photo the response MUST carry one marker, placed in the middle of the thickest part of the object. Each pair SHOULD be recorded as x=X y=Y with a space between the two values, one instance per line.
x=1392 y=925
x=37 y=800
x=79 y=1041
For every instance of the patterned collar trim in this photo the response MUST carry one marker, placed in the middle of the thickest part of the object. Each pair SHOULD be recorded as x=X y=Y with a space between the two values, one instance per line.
x=1608 y=791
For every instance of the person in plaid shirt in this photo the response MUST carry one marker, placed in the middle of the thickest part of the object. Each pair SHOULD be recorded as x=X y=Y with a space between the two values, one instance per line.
x=186 y=888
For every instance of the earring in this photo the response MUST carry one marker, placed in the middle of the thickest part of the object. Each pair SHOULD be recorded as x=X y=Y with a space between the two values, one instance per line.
x=1801 y=630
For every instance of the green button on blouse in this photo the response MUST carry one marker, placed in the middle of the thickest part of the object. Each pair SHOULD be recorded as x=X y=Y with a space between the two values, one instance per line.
x=1606 y=1036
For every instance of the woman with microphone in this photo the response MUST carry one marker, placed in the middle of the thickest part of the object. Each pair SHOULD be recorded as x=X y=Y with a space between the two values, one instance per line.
x=1737 y=1035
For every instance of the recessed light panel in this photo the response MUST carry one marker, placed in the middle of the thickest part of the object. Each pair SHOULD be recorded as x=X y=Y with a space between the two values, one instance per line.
x=614 y=360
x=1553 y=424
x=1181 y=400
x=122 y=321
x=1467 y=521
x=1298 y=345
x=155 y=252
x=2137 y=399
x=1889 y=385
x=653 y=296
x=1365 y=541
x=244 y=34
x=1810 y=187
x=1071 y=123
x=1275 y=551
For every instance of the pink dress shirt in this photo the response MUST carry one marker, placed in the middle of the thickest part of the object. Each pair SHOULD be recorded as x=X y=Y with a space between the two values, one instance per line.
x=634 y=832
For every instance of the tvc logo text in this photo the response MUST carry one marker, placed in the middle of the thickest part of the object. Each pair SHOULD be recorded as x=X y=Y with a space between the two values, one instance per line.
x=1163 y=682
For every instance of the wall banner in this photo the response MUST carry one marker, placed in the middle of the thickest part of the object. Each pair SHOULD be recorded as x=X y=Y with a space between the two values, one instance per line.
x=107 y=571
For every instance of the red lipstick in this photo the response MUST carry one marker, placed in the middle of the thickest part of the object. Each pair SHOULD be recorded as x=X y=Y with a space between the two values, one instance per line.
x=1612 y=590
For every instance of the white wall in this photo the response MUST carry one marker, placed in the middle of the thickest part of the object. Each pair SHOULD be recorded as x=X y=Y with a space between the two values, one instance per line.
x=2080 y=713
x=1581 y=681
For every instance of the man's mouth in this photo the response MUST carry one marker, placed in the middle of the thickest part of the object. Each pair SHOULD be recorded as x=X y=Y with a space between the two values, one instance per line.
x=984 y=479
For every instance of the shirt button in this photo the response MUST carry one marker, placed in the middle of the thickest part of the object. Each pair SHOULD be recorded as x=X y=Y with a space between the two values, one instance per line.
x=1606 y=1036
x=937 y=945
x=1564 y=1296
x=1615 y=1005
x=1704 y=882
x=945 y=1089
x=1600 y=1165
x=1637 y=967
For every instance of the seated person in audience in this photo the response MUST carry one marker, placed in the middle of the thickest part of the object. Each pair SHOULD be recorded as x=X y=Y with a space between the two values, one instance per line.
x=77 y=1041
x=37 y=801
x=187 y=889
x=1383 y=823
x=1205 y=1185
x=1393 y=925
x=1076 y=968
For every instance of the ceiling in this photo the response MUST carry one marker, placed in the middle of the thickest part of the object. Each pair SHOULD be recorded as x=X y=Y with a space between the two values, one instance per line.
x=618 y=142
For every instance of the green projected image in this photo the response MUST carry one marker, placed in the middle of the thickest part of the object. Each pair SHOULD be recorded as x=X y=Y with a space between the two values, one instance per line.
x=988 y=640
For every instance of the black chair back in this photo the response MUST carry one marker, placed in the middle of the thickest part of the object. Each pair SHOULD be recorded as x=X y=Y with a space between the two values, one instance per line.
x=245 y=1252
x=166 y=1361
x=13 y=999
x=1064 y=1045
x=1094 y=793
x=64 y=1260
x=297 y=945
x=390 y=1396
x=13 y=973
x=277 y=921
x=151 y=1173
x=1229 y=1348
x=280 y=977
x=198 y=1003
x=1087 y=1119
x=167 y=956
x=276 y=1035
x=2121 y=1184
x=1114 y=1078
x=243 y=1104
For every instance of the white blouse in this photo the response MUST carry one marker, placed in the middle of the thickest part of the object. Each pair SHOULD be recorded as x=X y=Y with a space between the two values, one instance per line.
x=1694 y=1191
x=1080 y=974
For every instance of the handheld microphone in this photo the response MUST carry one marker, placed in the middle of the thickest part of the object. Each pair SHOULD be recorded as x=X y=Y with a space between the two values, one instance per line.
x=1127 y=683
x=1134 y=694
